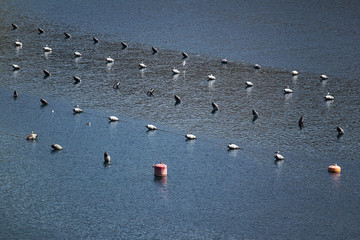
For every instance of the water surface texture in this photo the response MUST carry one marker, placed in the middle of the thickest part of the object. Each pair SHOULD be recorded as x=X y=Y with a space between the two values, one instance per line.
x=210 y=192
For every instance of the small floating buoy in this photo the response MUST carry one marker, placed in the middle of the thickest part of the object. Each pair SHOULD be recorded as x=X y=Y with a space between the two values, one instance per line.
x=113 y=119
x=44 y=102
x=56 y=147
x=107 y=159
x=334 y=168
x=287 y=90
x=142 y=65
x=249 y=84
x=32 y=136
x=151 y=127
x=340 y=130
x=177 y=99
x=160 y=170
x=16 y=94
x=47 y=73
x=255 y=115
x=323 y=77
x=109 y=59
x=215 y=106
x=18 y=43
x=232 y=146
x=190 y=136
x=294 y=73
x=301 y=122
x=154 y=49
x=41 y=30
x=77 y=79
x=150 y=92
x=257 y=66
x=211 y=77
x=329 y=97
x=14 y=26
x=96 y=40
x=16 y=67
x=124 y=45
x=67 y=35
x=77 y=54
x=185 y=55
x=77 y=110
x=278 y=156
x=47 y=48
x=175 y=71
x=224 y=61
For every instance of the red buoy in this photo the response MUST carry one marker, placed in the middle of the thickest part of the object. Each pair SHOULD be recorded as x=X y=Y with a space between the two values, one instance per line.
x=160 y=170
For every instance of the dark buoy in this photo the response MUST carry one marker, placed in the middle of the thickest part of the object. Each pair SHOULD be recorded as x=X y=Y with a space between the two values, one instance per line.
x=154 y=49
x=77 y=79
x=56 y=147
x=47 y=73
x=124 y=45
x=215 y=106
x=107 y=159
x=67 y=35
x=41 y=30
x=96 y=40
x=340 y=131
x=116 y=85
x=185 y=55
x=44 y=102
x=301 y=122
x=14 y=26
x=257 y=66
x=224 y=61
x=177 y=99
x=255 y=115
x=16 y=94
x=150 y=92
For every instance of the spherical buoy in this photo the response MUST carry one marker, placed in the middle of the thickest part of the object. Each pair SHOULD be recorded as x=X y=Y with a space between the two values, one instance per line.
x=334 y=168
x=160 y=170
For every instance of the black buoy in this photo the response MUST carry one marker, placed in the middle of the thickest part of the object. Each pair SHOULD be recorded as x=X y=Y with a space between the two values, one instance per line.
x=124 y=45
x=96 y=40
x=67 y=35
x=301 y=122
x=177 y=99
x=255 y=115
x=41 y=30
x=154 y=49
x=16 y=94
x=44 y=102
x=107 y=159
x=47 y=73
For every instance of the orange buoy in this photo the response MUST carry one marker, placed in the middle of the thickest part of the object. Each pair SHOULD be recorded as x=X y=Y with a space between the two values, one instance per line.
x=160 y=170
x=334 y=168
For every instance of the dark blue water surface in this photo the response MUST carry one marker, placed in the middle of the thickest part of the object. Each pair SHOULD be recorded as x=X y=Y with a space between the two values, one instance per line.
x=210 y=192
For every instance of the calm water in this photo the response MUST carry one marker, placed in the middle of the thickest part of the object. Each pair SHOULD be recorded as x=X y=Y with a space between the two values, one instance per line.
x=210 y=193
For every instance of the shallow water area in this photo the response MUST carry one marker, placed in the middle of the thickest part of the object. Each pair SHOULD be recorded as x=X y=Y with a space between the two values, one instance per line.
x=210 y=192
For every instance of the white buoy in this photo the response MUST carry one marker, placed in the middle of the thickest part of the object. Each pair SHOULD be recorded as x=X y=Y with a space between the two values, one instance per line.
x=109 y=59
x=278 y=156
x=249 y=84
x=32 y=136
x=151 y=127
x=56 y=147
x=77 y=110
x=257 y=66
x=329 y=97
x=175 y=71
x=323 y=77
x=211 y=77
x=224 y=61
x=288 y=90
x=47 y=48
x=142 y=65
x=16 y=67
x=18 y=43
x=190 y=136
x=77 y=54
x=295 y=73
x=233 y=146
x=113 y=119
x=107 y=159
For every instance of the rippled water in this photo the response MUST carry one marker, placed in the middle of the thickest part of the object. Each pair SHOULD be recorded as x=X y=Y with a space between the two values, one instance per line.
x=210 y=193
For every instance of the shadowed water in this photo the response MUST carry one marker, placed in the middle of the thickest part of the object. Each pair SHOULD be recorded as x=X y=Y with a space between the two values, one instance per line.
x=210 y=193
